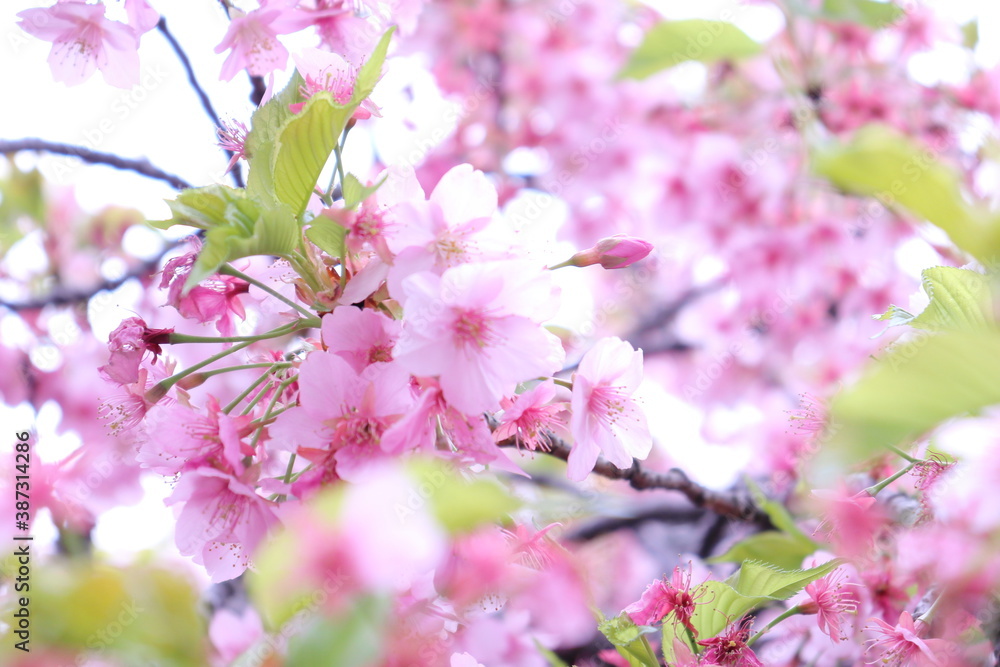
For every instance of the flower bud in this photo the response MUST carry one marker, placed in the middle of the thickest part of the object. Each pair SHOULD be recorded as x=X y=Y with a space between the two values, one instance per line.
x=615 y=252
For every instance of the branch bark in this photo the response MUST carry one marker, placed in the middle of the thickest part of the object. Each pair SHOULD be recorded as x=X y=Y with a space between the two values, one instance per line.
x=730 y=504
x=143 y=166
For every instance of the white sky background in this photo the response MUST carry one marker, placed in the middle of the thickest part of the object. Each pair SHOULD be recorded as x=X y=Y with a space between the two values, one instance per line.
x=162 y=119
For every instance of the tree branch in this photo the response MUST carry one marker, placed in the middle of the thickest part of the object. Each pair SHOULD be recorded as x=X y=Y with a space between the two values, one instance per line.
x=729 y=504
x=202 y=95
x=143 y=166
x=62 y=297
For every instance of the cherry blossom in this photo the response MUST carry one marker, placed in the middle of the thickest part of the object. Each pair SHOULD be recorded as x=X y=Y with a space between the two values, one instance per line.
x=252 y=40
x=606 y=419
x=83 y=40
x=221 y=522
x=477 y=328
x=128 y=345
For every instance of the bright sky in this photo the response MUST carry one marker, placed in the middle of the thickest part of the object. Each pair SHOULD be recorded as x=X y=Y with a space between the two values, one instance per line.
x=161 y=119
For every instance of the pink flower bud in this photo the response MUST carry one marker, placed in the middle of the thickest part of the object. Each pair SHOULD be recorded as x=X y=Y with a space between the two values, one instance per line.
x=615 y=252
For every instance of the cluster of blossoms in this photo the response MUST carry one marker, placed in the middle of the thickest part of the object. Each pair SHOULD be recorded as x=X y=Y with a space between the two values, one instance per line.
x=368 y=400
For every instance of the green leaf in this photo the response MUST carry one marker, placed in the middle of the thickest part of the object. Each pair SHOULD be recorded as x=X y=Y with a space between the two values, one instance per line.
x=459 y=505
x=250 y=231
x=760 y=579
x=960 y=300
x=880 y=162
x=302 y=142
x=260 y=147
x=355 y=638
x=670 y=43
x=549 y=656
x=135 y=614
x=778 y=514
x=304 y=145
x=873 y=14
x=355 y=193
x=629 y=640
x=771 y=546
x=203 y=208
x=371 y=71
x=970 y=34
x=914 y=386
x=327 y=235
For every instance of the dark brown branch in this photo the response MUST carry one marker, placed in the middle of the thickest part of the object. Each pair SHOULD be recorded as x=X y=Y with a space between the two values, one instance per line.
x=206 y=103
x=731 y=504
x=143 y=166
x=258 y=90
x=63 y=297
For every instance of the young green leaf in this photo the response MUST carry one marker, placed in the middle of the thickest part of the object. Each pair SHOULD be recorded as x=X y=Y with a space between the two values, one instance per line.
x=250 y=230
x=873 y=14
x=327 y=235
x=771 y=546
x=760 y=579
x=913 y=387
x=355 y=193
x=203 y=208
x=629 y=640
x=671 y=43
x=261 y=145
x=356 y=637
x=880 y=162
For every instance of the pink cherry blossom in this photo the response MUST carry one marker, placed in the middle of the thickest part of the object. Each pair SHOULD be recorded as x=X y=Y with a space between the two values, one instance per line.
x=662 y=598
x=126 y=409
x=141 y=17
x=531 y=417
x=829 y=598
x=605 y=417
x=451 y=228
x=83 y=40
x=331 y=73
x=730 y=648
x=253 y=40
x=343 y=414
x=477 y=327
x=179 y=438
x=213 y=299
x=901 y=644
x=360 y=337
x=222 y=521
x=233 y=138
x=128 y=345
x=232 y=634
x=851 y=522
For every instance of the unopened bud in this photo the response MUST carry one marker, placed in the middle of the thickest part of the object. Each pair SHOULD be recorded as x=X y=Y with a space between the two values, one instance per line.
x=615 y=252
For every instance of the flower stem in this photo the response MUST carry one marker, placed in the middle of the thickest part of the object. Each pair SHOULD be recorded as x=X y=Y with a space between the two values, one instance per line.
x=246 y=392
x=288 y=477
x=778 y=619
x=236 y=273
x=163 y=386
x=270 y=406
x=899 y=452
x=874 y=489
x=284 y=330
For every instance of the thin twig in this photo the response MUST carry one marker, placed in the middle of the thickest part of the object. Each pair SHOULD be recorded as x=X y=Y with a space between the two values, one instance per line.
x=63 y=297
x=143 y=166
x=729 y=504
x=202 y=95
